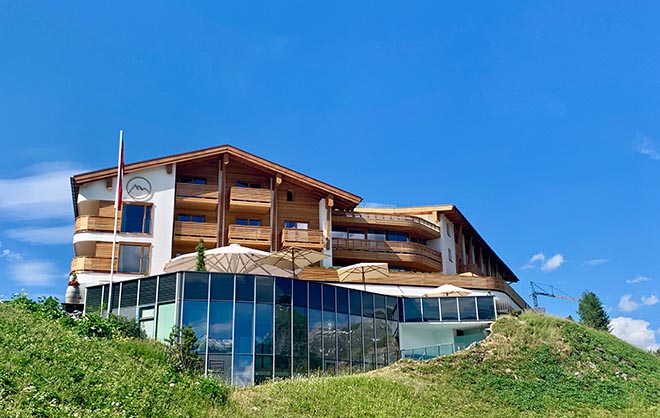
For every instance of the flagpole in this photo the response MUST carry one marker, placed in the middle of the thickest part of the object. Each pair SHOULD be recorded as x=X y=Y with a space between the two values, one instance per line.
x=118 y=198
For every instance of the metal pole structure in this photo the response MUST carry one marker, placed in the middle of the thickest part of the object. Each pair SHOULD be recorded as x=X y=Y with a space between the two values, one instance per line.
x=120 y=175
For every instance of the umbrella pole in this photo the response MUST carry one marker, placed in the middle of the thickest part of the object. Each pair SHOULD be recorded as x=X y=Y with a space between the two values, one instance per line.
x=364 y=281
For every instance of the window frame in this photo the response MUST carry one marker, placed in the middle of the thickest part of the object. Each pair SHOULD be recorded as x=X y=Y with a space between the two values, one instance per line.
x=144 y=218
x=296 y=224
x=142 y=255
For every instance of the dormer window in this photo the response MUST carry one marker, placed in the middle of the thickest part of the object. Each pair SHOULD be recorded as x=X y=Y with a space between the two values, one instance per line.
x=289 y=195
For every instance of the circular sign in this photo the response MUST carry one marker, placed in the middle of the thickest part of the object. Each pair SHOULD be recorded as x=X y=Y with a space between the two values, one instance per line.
x=138 y=188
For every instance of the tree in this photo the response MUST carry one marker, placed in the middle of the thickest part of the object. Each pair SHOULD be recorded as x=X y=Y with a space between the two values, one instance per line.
x=201 y=262
x=592 y=313
x=182 y=350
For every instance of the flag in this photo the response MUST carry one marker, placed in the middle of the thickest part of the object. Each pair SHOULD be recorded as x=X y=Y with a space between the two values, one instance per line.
x=120 y=172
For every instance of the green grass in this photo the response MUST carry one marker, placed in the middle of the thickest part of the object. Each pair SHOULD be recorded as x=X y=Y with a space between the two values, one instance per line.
x=532 y=366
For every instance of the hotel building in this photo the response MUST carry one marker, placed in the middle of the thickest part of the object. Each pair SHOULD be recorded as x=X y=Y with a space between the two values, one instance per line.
x=254 y=328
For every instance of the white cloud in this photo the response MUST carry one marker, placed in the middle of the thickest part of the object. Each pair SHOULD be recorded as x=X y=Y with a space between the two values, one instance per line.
x=45 y=193
x=553 y=262
x=595 y=262
x=536 y=258
x=650 y=300
x=626 y=304
x=45 y=235
x=646 y=146
x=35 y=273
x=636 y=332
x=638 y=279
x=9 y=255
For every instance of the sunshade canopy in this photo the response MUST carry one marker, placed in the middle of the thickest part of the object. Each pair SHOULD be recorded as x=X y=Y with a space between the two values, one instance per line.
x=363 y=271
x=292 y=258
x=447 y=290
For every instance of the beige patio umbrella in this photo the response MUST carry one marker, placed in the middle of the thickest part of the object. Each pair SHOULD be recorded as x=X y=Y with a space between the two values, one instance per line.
x=233 y=258
x=447 y=290
x=292 y=259
x=363 y=271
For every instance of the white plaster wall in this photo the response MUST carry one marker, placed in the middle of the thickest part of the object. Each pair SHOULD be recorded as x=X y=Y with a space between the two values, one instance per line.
x=162 y=198
x=448 y=243
x=323 y=216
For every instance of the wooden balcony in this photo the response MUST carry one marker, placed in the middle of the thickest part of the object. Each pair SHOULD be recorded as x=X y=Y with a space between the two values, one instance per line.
x=470 y=268
x=91 y=264
x=191 y=232
x=250 y=236
x=412 y=224
x=87 y=223
x=197 y=196
x=406 y=254
x=304 y=238
x=249 y=200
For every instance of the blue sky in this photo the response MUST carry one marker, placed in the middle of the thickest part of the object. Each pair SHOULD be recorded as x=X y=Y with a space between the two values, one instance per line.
x=540 y=121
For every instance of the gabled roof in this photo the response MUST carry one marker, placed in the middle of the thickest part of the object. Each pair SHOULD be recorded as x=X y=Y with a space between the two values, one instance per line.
x=342 y=199
x=456 y=217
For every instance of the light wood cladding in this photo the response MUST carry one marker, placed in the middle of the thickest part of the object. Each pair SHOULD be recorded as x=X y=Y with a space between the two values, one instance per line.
x=91 y=264
x=303 y=238
x=87 y=223
x=201 y=169
x=412 y=224
x=250 y=236
x=303 y=208
x=249 y=200
x=193 y=231
x=404 y=254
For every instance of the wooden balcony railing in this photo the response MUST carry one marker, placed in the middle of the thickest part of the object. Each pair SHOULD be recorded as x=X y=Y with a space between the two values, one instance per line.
x=470 y=268
x=196 y=195
x=250 y=236
x=87 y=223
x=95 y=264
x=193 y=231
x=247 y=199
x=305 y=238
x=416 y=255
x=425 y=228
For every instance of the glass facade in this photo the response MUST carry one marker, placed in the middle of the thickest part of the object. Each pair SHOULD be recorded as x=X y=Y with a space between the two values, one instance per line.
x=256 y=328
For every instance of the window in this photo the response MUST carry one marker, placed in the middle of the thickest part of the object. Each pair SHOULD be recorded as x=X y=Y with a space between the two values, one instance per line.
x=248 y=222
x=339 y=233
x=136 y=218
x=397 y=236
x=191 y=218
x=192 y=180
x=376 y=235
x=247 y=184
x=449 y=228
x=449 y=255
x=355 y=234
x=133 y=259
x=289 y=195
x=296 y=225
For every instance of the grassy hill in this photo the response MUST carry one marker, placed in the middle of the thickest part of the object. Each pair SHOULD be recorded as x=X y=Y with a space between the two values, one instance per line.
x=532 y=366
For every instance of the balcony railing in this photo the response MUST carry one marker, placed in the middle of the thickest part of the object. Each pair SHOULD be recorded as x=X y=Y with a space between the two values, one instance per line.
x=305 y=238
x=250 y=236
x=196 y=195
x=416 y=255
x=193 y=231
x=247 y=199
x=470 y=268
x=87 y=223
x=97 y=264
x=426 y=228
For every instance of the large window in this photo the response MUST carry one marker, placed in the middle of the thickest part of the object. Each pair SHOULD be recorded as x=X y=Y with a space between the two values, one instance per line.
x=190 y=218
x=296 y=225
x=248 y=222
x=136 y=218
x=248 y=184
x=133 y=259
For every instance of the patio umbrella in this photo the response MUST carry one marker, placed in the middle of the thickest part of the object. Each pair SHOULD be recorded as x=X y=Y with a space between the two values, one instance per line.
x=292 y=258
x=363 y=271
x=233 y=258
x=447 y=290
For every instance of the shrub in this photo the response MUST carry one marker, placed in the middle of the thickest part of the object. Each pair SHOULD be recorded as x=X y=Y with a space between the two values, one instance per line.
x=181 y=350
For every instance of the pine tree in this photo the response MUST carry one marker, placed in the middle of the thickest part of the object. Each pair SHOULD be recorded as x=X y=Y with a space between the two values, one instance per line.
x=201 y=262
x=592 y=313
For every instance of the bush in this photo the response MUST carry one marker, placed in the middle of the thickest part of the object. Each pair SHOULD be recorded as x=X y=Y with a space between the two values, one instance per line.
x=182 y=350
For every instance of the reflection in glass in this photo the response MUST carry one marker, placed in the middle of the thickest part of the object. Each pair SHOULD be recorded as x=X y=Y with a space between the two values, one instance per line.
x=486 y=307
x=412 y=309
x=379 y=303
x=431 y=310
x=449 y=309
x=222 y=286
x=300 y=331
x=392 y=309
x=356 y=342
x=342 y=300
x=356 y=302
x=194 y=314
x=314 y=296
x=244 y=288
x=195 y=286
x=468 y=309
x=328 y=298
x=220 y=327
x=220 y=366
x=263 y=368
x=343 y=340
x=282 y=366
x=282 y=290
x=165 y=321
x=264 y=289
x=367 y=304
x=243 y=371
x=243 y=327
x=381 y=342
x=263 y=333
x=369 y=338
x=314 y=334
x=392 y=341
x=329 y=341
x=283 y=329
x=300 y=293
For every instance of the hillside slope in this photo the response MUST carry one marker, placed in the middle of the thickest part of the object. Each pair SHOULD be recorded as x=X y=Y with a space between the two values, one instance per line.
x=532 y=366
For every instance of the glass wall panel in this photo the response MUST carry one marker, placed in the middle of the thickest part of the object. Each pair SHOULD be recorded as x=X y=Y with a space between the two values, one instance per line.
x=356 y=343
x=314 y=295
x=449 y=309
x=265 y=289
x=243 y=328
x=329 y=340
x=263 y=333
x=369 y=337
x=431 y=309
x=343 y=339
x=412 y=309
x=195 y=286
x=244 y=288
x=468 y=309
x=486 y=307
x=165 y=322
x=220 y=366
x=283 y=330
x=356 y=302
x=300 y=332
x=379 y=304
x=263 y=368
x=220 y=327
x=282 y=366
x=367 y=304
x=342 y=300
x=222 y=286
x=283 y=291
x=314 y=336
x=392 y=309
x=392 y=341
x=300 y=293
x=328 y=298
x=381 y=342
x=243 y=371
x=195 y=314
